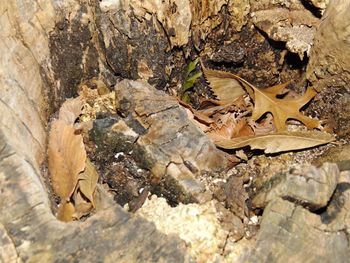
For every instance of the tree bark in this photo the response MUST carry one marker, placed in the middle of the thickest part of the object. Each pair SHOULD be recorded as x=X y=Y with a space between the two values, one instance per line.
x=49 y=47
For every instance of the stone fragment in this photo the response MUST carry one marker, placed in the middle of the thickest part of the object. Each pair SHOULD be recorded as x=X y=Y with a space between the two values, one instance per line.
x=307 y=185
x=236 y=196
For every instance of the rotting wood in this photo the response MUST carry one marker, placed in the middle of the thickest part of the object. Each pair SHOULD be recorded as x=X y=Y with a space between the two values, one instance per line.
x=26 y=73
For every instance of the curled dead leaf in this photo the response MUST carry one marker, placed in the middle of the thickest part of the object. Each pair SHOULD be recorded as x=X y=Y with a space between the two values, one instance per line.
x=70 y=110
x=224 y=85
x=82 y=205
x=202 y=118
x=67 y=157
x=88 y=181
x=279 y=142
x=228 y=87
x=65 y=212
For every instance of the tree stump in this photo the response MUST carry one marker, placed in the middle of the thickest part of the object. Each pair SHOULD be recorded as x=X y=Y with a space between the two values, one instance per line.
x=50 y=47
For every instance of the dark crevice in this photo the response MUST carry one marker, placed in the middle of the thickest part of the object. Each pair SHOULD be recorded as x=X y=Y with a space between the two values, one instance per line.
x=314 y=10
x=335 y=204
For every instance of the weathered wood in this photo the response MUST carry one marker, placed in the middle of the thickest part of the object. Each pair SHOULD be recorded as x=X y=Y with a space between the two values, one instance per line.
x=330 y=57
x=289 y=231
x=110 y=235
x=157 y=133
x=49 y=47
x=329 y=67
x=309 y=186
x=29 y=230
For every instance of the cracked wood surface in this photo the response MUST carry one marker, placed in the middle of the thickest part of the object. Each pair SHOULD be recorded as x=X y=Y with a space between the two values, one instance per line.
x=308 y=185
x=176 y=149
x=154 y=130
x=110 y=235
x=28 y=75
x=29 y=232
x=291 y=233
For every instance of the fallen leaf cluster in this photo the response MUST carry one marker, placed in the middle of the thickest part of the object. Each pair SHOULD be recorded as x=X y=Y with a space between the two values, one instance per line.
x=244 y=115
x=72 y=175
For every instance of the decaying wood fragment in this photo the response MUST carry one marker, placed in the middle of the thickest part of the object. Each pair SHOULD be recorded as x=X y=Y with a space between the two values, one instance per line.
x=161 y=139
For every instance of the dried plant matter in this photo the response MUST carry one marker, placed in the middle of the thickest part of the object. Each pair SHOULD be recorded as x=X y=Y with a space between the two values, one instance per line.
x=232 y=122
x=224 y=85
x=265 y=100
x=282 y=109
x=71 y=110
x=279 y=142
x=66 y=158
x=88 y=180
x=65 y=211
x=73 y=176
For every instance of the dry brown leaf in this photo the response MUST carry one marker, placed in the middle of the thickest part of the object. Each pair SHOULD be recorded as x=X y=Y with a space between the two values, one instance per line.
x=279 y=142
x=65 y=212
x=225 y=86
x=231 y=128
x=196 y=114
x=82 y=205
x=70 y=110
x=221 y=122
x=282 y=109
x=224 y=128
x=209 y=108
x=201 y=126
x=265 y=100
x=265 y=126
x=242 y=129
x=67 y=157
x=88 y=181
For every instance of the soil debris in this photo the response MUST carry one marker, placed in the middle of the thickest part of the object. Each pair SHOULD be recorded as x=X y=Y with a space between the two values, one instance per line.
x=204 y=234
